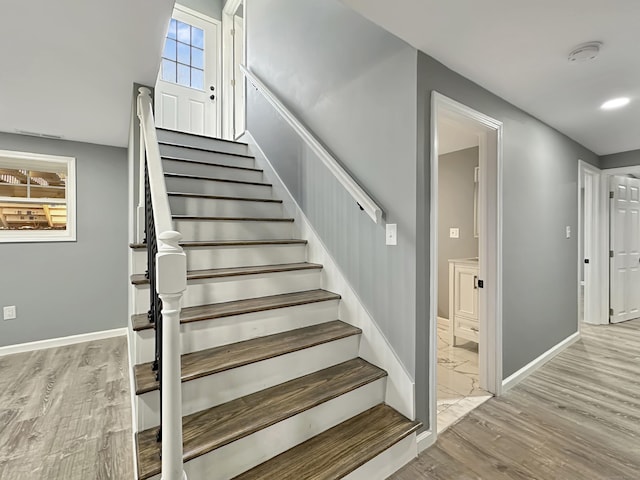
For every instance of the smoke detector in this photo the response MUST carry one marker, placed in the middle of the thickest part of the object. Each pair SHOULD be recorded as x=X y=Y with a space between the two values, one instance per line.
x=585 y=52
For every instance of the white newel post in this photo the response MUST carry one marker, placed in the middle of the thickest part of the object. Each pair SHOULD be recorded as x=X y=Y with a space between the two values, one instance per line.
x=171 y=278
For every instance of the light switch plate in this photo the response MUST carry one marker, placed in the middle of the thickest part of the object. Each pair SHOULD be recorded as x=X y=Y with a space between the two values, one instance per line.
x=568 y=231
x=454 y=233
x=392 y=234
x=9 y=313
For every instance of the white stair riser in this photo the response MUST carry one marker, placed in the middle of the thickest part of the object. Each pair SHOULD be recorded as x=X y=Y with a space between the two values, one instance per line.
x=228 y=289
x=201 y=142
x=201 y=258
x=204 y=156
x=222 y=387
x=205 y=334
x=200 y=169
x=232 y=459
x=223 y=189
x=213 y=207
x=388 y=462
x=208 y=230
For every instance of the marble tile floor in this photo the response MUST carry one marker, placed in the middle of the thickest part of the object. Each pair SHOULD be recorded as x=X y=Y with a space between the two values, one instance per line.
x=458 y=380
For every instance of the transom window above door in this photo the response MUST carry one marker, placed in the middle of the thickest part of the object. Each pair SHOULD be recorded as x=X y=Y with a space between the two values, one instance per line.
x=183 y=55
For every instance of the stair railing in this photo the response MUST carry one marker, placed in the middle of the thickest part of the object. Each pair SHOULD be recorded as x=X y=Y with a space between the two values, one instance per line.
x=167 y=274
x=364 y=201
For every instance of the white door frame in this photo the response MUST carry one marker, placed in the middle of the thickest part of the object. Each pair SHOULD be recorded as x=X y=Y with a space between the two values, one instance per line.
x=605 y=178
x=595 y=301
x=228 y=101
x=490 y=245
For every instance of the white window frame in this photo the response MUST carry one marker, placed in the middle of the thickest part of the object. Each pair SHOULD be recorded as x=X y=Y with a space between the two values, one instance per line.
x=68 y=235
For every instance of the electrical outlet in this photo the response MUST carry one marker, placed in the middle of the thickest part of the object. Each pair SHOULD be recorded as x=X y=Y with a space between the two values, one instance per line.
x=392 y=234
x=454 y=233
x=9 y=313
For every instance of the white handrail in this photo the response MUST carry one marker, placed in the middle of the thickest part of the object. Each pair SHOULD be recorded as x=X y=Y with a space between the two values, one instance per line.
x=171 y=282
x=355 y=190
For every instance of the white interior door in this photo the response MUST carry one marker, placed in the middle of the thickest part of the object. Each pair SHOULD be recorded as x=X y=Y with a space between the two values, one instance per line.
x=187 y=87
x=624 y=295
x=238 y=81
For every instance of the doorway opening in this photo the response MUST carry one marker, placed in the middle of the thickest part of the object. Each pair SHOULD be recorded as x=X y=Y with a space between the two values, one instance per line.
x=186 y=92
x=465 y=324
x=233 y=54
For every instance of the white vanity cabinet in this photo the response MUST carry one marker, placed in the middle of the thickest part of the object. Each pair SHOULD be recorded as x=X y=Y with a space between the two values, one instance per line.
x=463 y=299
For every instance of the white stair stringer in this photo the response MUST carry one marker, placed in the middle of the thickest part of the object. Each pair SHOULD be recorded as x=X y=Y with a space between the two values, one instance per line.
x=223 y=207
x=203 y=334
x=202 y=258
x=212 y=390
x=228 y=289
x=232 y=459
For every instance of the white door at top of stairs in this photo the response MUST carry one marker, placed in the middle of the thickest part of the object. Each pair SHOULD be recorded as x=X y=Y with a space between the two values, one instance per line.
x=186 y=94
x=625 y=247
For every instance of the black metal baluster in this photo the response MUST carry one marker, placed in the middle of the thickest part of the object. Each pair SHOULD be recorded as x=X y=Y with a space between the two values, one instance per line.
x=155 y=304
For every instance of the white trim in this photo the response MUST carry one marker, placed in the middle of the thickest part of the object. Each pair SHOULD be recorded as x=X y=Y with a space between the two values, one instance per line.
x=595 y=304
x=443 y=322
x=61 y=341
x=425 y=440
x=347 y=181
x=515 y=378
x=374 y=346
x=490 y=133
x=228 y=67
x=195 y=13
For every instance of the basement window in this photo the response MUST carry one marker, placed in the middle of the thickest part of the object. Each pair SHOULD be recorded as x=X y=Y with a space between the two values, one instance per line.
x=37 y=197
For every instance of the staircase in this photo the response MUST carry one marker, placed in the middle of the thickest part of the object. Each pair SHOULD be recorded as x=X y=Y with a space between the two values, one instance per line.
x=272 y=385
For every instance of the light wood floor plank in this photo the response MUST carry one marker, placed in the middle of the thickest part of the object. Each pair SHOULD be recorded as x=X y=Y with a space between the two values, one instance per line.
x=577 y=418
x=65 y=413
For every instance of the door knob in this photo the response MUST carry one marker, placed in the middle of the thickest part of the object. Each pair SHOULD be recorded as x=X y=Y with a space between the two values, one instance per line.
x=212 y=97
x=212 y=88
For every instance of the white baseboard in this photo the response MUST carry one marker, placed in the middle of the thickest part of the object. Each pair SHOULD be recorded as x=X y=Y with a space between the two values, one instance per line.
x=425 y=440
x=443 y=322
x=61 y=341
x=374 y=346
x=532 y=366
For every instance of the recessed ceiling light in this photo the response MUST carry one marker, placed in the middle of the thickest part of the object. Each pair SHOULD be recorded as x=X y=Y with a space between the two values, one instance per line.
x=615 y=103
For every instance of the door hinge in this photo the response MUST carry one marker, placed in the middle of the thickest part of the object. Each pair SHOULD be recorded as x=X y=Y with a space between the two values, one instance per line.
x=610 y=253
x=233 y=32
x=233 y=82
x=480 y=283
x=611 y=195
x=611 y=312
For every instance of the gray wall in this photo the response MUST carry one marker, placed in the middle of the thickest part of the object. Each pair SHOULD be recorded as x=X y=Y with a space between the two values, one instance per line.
x=212 y=8
x=455 y=209
x=622 y=159
x=540 y=177
x=354 y=85
x=68 y=288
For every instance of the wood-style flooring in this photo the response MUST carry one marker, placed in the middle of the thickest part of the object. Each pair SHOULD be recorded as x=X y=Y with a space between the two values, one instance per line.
x=577 y=418
x=65 y=413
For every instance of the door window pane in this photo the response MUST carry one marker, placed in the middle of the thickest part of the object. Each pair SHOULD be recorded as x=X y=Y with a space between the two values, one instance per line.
x=184 y=32
x=184 y=77
x=168 y=71
x=197 y=79
x=197 y=59
x=184 y=54
x=172 y=29
x=169 y=49
x=197 y=37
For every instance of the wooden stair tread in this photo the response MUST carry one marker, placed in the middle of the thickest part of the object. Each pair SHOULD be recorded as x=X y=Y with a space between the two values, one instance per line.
x=220 y=425
x=223 y=197
x=239 y=307
x=201 y=136
x=340 y=450
x=201 y=162
x=203 y=149
x=214 y=179
x=229 y=243
x=218 y=359
x=232 y=219
x=140 y=279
